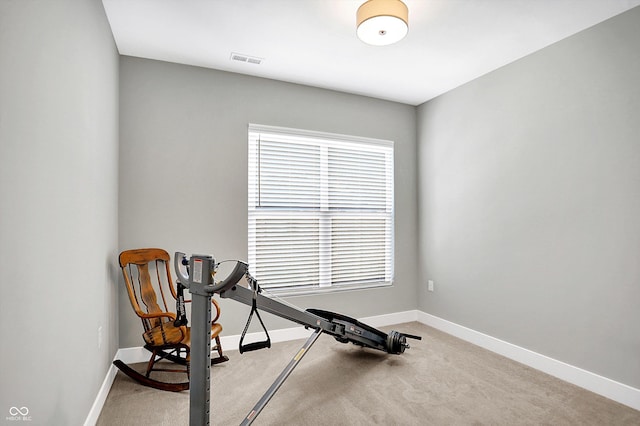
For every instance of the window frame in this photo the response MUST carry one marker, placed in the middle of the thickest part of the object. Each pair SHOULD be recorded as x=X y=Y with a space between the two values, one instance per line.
x=324 y=213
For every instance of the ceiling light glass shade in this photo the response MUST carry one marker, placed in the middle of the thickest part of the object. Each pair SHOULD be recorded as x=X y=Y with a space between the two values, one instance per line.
x=382 y=22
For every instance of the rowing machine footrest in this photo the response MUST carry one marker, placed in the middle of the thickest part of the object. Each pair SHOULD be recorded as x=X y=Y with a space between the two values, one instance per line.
x=255 y=346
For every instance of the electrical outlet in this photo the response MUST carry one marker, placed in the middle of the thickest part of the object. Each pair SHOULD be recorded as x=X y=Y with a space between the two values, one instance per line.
x=430 y=285
x=100 y=337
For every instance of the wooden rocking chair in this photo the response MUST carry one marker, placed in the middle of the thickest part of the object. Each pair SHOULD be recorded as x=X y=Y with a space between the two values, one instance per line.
x=146 y=273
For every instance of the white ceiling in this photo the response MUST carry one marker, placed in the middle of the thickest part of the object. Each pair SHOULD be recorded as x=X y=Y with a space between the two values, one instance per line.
x=313 y=42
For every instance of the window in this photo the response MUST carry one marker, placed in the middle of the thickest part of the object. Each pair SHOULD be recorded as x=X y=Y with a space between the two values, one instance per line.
x=320 y=210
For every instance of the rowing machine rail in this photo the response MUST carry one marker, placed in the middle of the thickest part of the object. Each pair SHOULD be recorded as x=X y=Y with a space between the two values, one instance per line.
x=199 y=279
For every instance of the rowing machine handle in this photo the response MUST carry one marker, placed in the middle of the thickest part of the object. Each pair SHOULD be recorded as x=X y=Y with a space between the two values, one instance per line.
x=255 y=346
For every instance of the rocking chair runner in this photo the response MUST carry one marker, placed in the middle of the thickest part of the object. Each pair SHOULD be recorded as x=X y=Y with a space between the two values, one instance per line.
x=146 y=273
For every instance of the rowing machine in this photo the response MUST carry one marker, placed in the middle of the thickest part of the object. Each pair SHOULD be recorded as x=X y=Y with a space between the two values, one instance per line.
x=198 y=277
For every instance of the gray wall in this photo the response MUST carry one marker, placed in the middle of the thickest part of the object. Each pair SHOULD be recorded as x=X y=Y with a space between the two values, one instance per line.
x=183 y=171
x=58 y=204
x=527 y=215
x=530 y=203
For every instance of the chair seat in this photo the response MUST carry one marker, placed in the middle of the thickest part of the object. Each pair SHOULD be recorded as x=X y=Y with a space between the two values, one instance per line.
x=165 y=334
x=169 y=334
x=216 y=329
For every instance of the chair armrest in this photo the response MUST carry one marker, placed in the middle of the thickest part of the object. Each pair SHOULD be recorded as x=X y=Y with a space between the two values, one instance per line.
x=217 y=310
x=169 y=315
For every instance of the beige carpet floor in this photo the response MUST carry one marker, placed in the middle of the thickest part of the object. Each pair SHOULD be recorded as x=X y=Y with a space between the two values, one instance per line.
x=441 y=380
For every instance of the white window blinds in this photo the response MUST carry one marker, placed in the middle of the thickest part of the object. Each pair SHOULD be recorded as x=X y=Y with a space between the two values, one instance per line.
x=320 y=209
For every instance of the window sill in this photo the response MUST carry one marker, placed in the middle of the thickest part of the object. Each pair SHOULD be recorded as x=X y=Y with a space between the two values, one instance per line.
x=309 y=291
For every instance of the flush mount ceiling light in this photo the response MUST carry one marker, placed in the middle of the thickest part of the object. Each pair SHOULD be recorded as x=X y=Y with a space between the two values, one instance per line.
x=382 y=22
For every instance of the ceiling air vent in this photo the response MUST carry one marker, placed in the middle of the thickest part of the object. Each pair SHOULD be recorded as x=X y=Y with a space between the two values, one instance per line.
x=245 y=58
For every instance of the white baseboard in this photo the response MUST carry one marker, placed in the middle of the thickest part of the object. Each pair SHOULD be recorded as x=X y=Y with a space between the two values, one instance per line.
x=595 y=383
x=96 y=408
x=391 y=319
x=608 y=388
x=132 y=355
